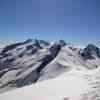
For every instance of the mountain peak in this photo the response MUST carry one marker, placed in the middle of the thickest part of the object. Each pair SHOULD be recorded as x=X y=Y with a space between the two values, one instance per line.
x=62 y=42
x=90 y=51
x=28 y=40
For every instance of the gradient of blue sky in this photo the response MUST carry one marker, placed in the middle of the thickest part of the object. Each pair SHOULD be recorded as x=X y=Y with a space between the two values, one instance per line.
x=72 y=20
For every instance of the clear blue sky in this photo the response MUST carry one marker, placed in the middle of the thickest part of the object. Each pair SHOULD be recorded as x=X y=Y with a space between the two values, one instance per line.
x=75 y=21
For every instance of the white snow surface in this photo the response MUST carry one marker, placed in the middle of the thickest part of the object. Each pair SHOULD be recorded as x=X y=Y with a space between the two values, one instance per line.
x=73 y=85
x=67 y=76
x=67 y=60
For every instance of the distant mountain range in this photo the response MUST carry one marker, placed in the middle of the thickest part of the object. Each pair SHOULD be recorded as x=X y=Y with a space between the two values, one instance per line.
x=33 y=60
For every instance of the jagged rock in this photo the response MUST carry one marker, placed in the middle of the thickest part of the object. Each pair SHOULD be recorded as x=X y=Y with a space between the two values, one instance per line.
x=90 y=51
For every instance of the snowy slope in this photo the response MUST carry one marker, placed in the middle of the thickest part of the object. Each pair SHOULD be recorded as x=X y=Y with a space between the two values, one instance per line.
x=32 y=61
x=68 y=59
x=74 y=85
x=21 y=63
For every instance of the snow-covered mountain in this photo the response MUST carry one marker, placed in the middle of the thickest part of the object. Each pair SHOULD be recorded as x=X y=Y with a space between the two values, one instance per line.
x=72 y=85
x=35 y=60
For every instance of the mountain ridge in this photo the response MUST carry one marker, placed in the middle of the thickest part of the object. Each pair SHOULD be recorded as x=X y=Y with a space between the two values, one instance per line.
x=35 y=60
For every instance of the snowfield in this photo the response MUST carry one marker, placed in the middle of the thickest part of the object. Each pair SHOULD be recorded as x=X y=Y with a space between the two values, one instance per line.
x=74 y=85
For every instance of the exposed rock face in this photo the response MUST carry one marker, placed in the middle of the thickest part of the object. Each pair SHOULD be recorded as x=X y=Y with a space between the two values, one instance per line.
x=26 y=60
x=90 y=51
